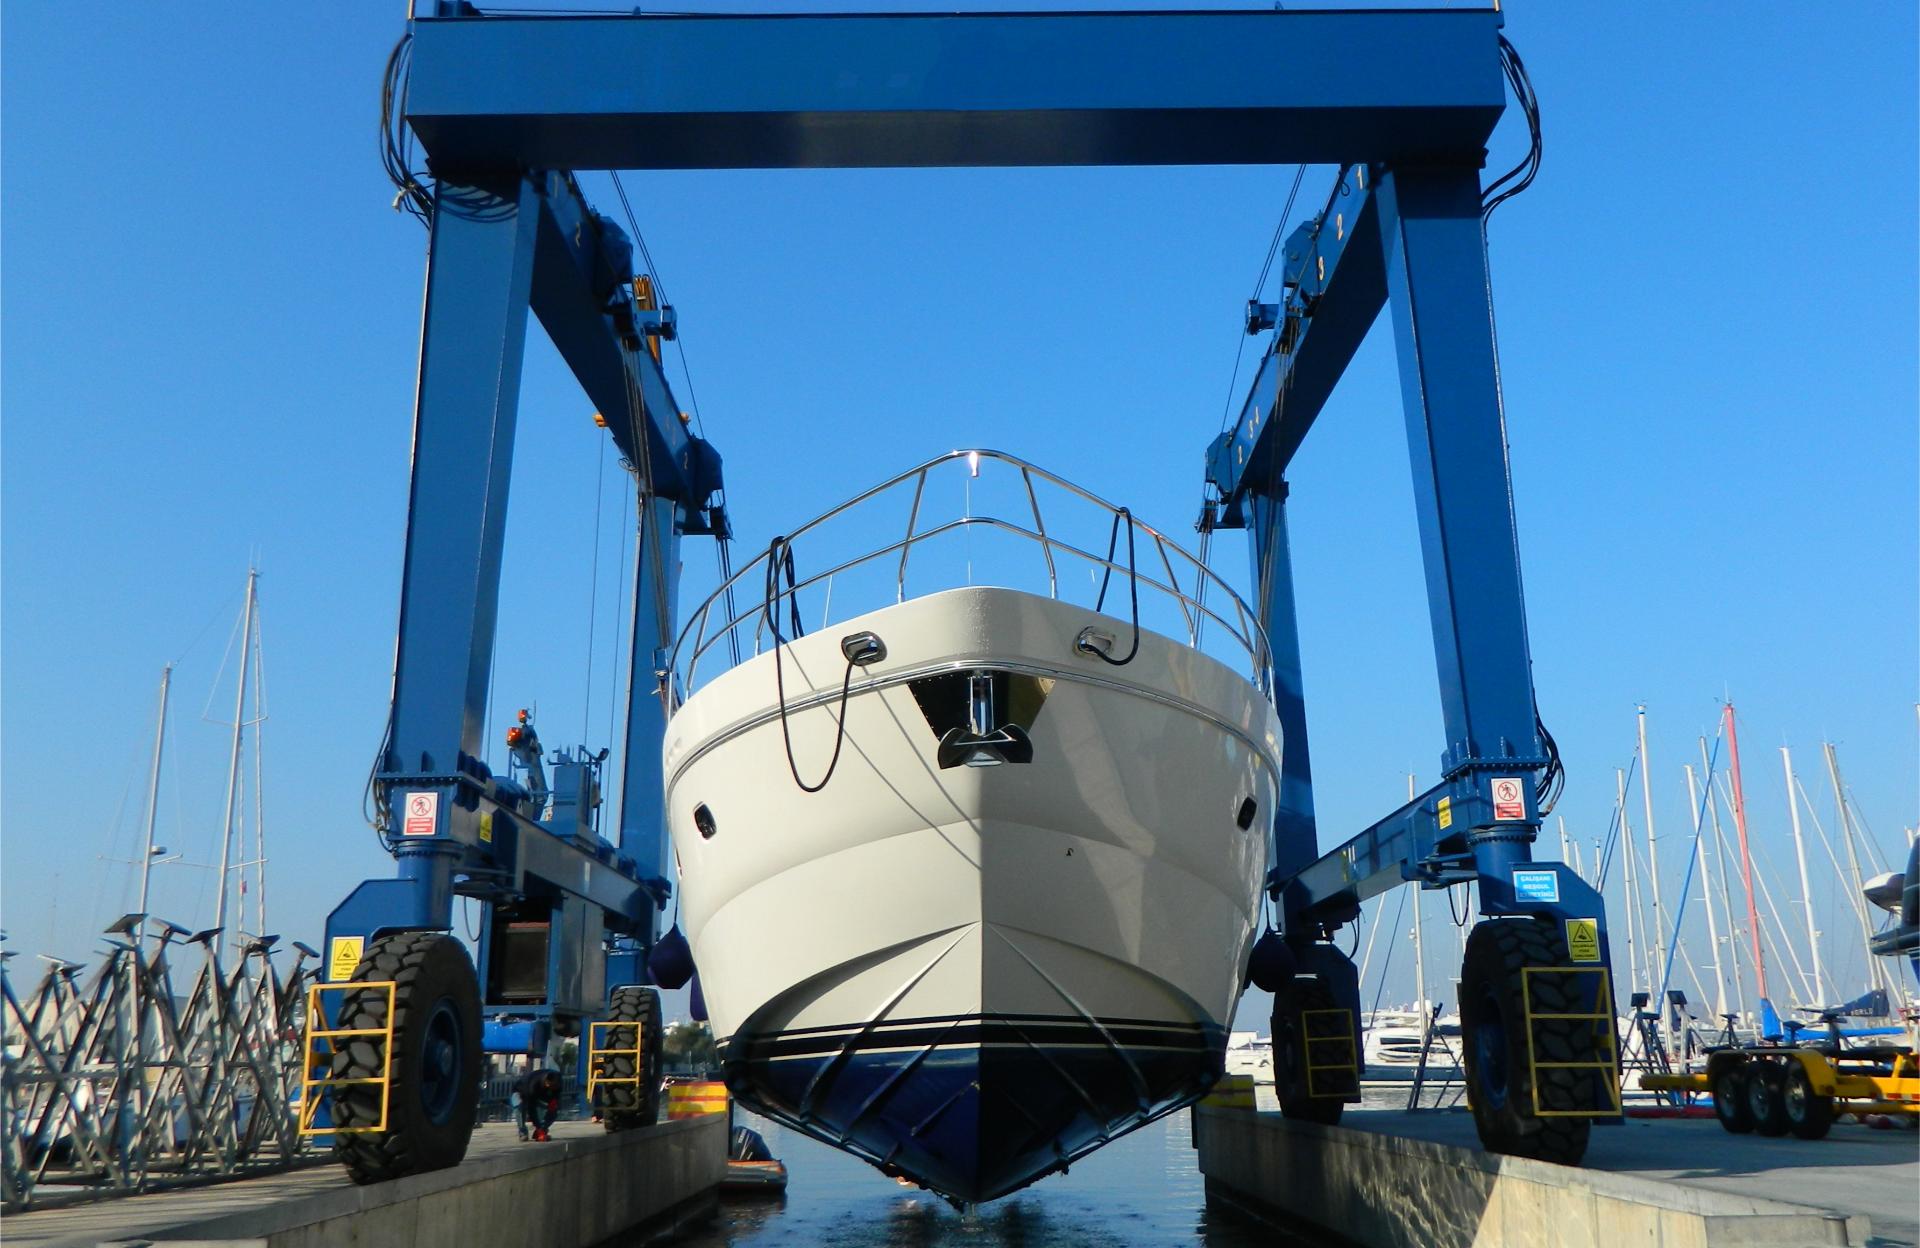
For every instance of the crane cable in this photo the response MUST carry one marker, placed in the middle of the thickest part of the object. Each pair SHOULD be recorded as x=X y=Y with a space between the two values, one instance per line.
x=1520 y=177
x=1233 y=381
x=413 y=189
x=1260 y=285
x=1284 y=389
x=1553 y=777
x=722 y=541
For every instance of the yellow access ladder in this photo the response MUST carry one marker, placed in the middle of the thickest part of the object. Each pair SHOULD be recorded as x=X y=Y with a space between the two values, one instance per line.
x=319 y=1046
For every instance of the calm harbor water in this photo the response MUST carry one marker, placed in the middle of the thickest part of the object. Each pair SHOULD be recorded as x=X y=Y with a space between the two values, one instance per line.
x=1143 y=1189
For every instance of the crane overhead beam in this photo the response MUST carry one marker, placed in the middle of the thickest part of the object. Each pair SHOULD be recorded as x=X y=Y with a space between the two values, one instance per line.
x=925 y=89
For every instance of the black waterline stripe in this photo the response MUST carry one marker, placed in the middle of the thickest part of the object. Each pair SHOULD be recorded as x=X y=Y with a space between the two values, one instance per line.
x=967 y=1034
x=1036 y=1020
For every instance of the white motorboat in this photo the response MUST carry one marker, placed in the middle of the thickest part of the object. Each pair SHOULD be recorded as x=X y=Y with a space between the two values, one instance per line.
x=971 y=879
x=1394 y=1043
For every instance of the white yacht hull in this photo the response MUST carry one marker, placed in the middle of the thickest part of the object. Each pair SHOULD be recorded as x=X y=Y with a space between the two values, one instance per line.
x=973 y=974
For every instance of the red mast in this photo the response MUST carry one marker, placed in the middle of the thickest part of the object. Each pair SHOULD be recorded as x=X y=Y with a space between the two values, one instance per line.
x=1746 y=860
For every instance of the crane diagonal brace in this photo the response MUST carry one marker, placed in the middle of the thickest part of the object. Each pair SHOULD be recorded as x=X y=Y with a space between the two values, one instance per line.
x=580 y=294
x=1410 y=237
x=1335 y=283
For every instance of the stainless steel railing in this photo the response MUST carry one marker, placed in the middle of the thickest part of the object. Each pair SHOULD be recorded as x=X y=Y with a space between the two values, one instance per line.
x=1240 y=626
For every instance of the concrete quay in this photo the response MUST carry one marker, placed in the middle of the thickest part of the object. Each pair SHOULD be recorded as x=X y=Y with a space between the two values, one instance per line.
x=584 y=1188
x=1394 y=1178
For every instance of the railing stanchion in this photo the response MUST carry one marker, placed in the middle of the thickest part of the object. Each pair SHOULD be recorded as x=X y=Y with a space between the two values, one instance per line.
x=1040 y=526
x=913 y=517
x=1173 y=579
x=693 y=664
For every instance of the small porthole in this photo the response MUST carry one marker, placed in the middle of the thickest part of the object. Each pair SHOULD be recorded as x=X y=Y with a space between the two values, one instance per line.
x=1248 y=808
x=703 y=819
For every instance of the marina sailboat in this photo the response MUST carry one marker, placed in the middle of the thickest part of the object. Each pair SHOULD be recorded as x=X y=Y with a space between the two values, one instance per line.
x=971 y=878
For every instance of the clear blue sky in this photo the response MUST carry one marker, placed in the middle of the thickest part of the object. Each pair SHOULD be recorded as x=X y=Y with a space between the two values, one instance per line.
x=1707 y=308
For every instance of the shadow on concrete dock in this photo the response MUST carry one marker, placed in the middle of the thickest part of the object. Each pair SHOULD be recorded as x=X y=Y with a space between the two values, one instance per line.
x=1393 y=1178
x=583 y=1188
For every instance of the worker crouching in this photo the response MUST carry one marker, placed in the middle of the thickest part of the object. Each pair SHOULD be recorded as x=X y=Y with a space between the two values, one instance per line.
x=539 y=1093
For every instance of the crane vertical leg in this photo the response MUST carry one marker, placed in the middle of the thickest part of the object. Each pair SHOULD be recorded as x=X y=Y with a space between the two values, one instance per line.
x=630 y=1067
x=642 y=781
x=1536 y=1002
x=1456 y=433
x=471 y=347
x=1316 y=1016
x=1295 y=841
x=408 y=1102
x=470 y=354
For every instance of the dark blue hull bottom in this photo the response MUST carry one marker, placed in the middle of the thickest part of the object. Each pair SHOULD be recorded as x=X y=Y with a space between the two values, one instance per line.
x=978 y=1107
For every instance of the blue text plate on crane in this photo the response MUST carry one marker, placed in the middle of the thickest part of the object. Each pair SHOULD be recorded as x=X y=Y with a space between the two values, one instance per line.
x=1542 y=886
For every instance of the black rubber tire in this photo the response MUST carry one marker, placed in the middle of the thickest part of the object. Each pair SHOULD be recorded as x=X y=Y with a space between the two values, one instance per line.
x=622 y=1106
x=430 y=1112
x=1767 y=1098
x=1730 y=1106
x=1809 y=1115
x=1289 y=1053
x=1492 y=1003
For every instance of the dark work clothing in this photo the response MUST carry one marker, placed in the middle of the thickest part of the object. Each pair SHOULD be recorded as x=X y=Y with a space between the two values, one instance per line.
x=540 y=1099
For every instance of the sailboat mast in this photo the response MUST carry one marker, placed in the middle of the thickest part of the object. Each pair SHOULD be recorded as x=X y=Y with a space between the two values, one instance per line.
x=259 y=790
x=1853 y=863
x=239 y=734
x=1806 y=888
x=1657 y=961
x=1633 y=896
x=1419 y=949
x=1706 y=891
x=153 y=794
x=1739 y=798
x=1720 y=856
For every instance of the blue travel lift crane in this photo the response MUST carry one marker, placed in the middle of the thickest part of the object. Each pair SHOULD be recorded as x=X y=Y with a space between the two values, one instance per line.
x=506 y=106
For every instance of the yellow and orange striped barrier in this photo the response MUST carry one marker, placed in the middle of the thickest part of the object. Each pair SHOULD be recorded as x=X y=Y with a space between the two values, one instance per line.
x=1232 y=1092
x=690 y=1100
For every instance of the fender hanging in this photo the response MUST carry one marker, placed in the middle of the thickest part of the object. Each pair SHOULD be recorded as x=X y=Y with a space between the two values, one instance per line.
x=671 y=960
x=1272 y=965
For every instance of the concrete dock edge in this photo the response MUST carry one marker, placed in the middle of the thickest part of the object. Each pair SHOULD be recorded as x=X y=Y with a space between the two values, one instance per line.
x=575 y=1193
x=1374 y=1189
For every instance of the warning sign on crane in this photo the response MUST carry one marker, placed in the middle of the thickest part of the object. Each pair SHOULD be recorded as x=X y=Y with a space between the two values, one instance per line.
x=1509 y=798
x=343 y=956
x=1583 y=940
x=423 y=814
